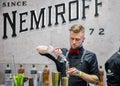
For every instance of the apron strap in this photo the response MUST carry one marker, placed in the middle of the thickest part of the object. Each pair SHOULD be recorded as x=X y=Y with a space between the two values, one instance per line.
x=82 y=58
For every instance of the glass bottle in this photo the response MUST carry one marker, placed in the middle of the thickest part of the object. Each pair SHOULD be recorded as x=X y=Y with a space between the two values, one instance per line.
x=21 y=69
x=46 y=76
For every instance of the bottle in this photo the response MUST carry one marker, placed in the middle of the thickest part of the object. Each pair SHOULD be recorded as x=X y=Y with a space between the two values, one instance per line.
x=40 y=78
x=101 y=71
x=8 y=72
x=46 y=76
x=21 y=69
x=34 y=76
x=8 y=76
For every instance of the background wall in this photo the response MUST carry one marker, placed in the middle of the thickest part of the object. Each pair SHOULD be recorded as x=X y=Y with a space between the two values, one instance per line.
x=104 y=40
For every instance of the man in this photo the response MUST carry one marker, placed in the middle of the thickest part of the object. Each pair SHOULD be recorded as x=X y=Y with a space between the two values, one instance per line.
x=83 y=65
x=112 y=67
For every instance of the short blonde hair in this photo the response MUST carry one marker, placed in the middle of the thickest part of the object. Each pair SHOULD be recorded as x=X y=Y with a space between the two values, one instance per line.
x=77 y=28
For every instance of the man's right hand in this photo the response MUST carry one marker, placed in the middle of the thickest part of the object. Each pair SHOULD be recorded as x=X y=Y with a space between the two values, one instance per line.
x=57 y=51
x=42 y=49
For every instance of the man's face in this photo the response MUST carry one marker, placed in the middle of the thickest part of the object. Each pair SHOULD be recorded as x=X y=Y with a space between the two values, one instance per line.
x=76 y=39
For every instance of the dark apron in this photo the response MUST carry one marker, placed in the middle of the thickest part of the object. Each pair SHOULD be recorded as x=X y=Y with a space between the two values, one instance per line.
x=77 y=62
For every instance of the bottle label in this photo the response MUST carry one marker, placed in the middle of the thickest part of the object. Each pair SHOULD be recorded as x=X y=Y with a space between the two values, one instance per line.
x=8 y=71
x=33 y=71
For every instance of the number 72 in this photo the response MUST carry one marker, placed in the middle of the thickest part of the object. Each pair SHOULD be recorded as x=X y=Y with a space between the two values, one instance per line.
x=101 y=31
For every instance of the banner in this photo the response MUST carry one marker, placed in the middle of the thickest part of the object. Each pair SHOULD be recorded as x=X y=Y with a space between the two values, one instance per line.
x=25 y=24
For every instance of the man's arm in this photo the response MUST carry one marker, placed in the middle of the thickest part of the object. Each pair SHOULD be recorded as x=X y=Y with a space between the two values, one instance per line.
x=90 y=78
x=93 y=76
x=43 y=50
x=60 y=66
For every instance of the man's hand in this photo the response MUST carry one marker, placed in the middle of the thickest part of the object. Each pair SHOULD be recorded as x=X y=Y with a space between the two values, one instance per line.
x=55 y=52
x=58 y=51
x=72 y=71
x=90 y=78
x=42 y=49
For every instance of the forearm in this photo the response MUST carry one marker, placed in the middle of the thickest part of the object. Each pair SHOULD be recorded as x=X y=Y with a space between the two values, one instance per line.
x=89 y=78
x=60 y=66
x=49 y=56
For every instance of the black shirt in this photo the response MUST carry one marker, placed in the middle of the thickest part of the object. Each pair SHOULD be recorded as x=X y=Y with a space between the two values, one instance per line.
x=112 y=67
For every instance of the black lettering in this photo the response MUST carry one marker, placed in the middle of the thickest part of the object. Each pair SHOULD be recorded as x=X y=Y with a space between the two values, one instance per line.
x=84 y=7
x=101 y=31
x=49 y=21
x=22 y=21
x=37 y=21
x=8 y=4
x=13 y=3
x=77 y=10
x=96 y=7
x=24 y=3
x=60 y=13
x=3 y=4
x=18 y=3
x=12 y=24
x=92 y=30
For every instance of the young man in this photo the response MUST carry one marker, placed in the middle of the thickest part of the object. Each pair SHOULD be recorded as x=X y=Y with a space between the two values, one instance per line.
x=83 y=65
x=112 y=67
